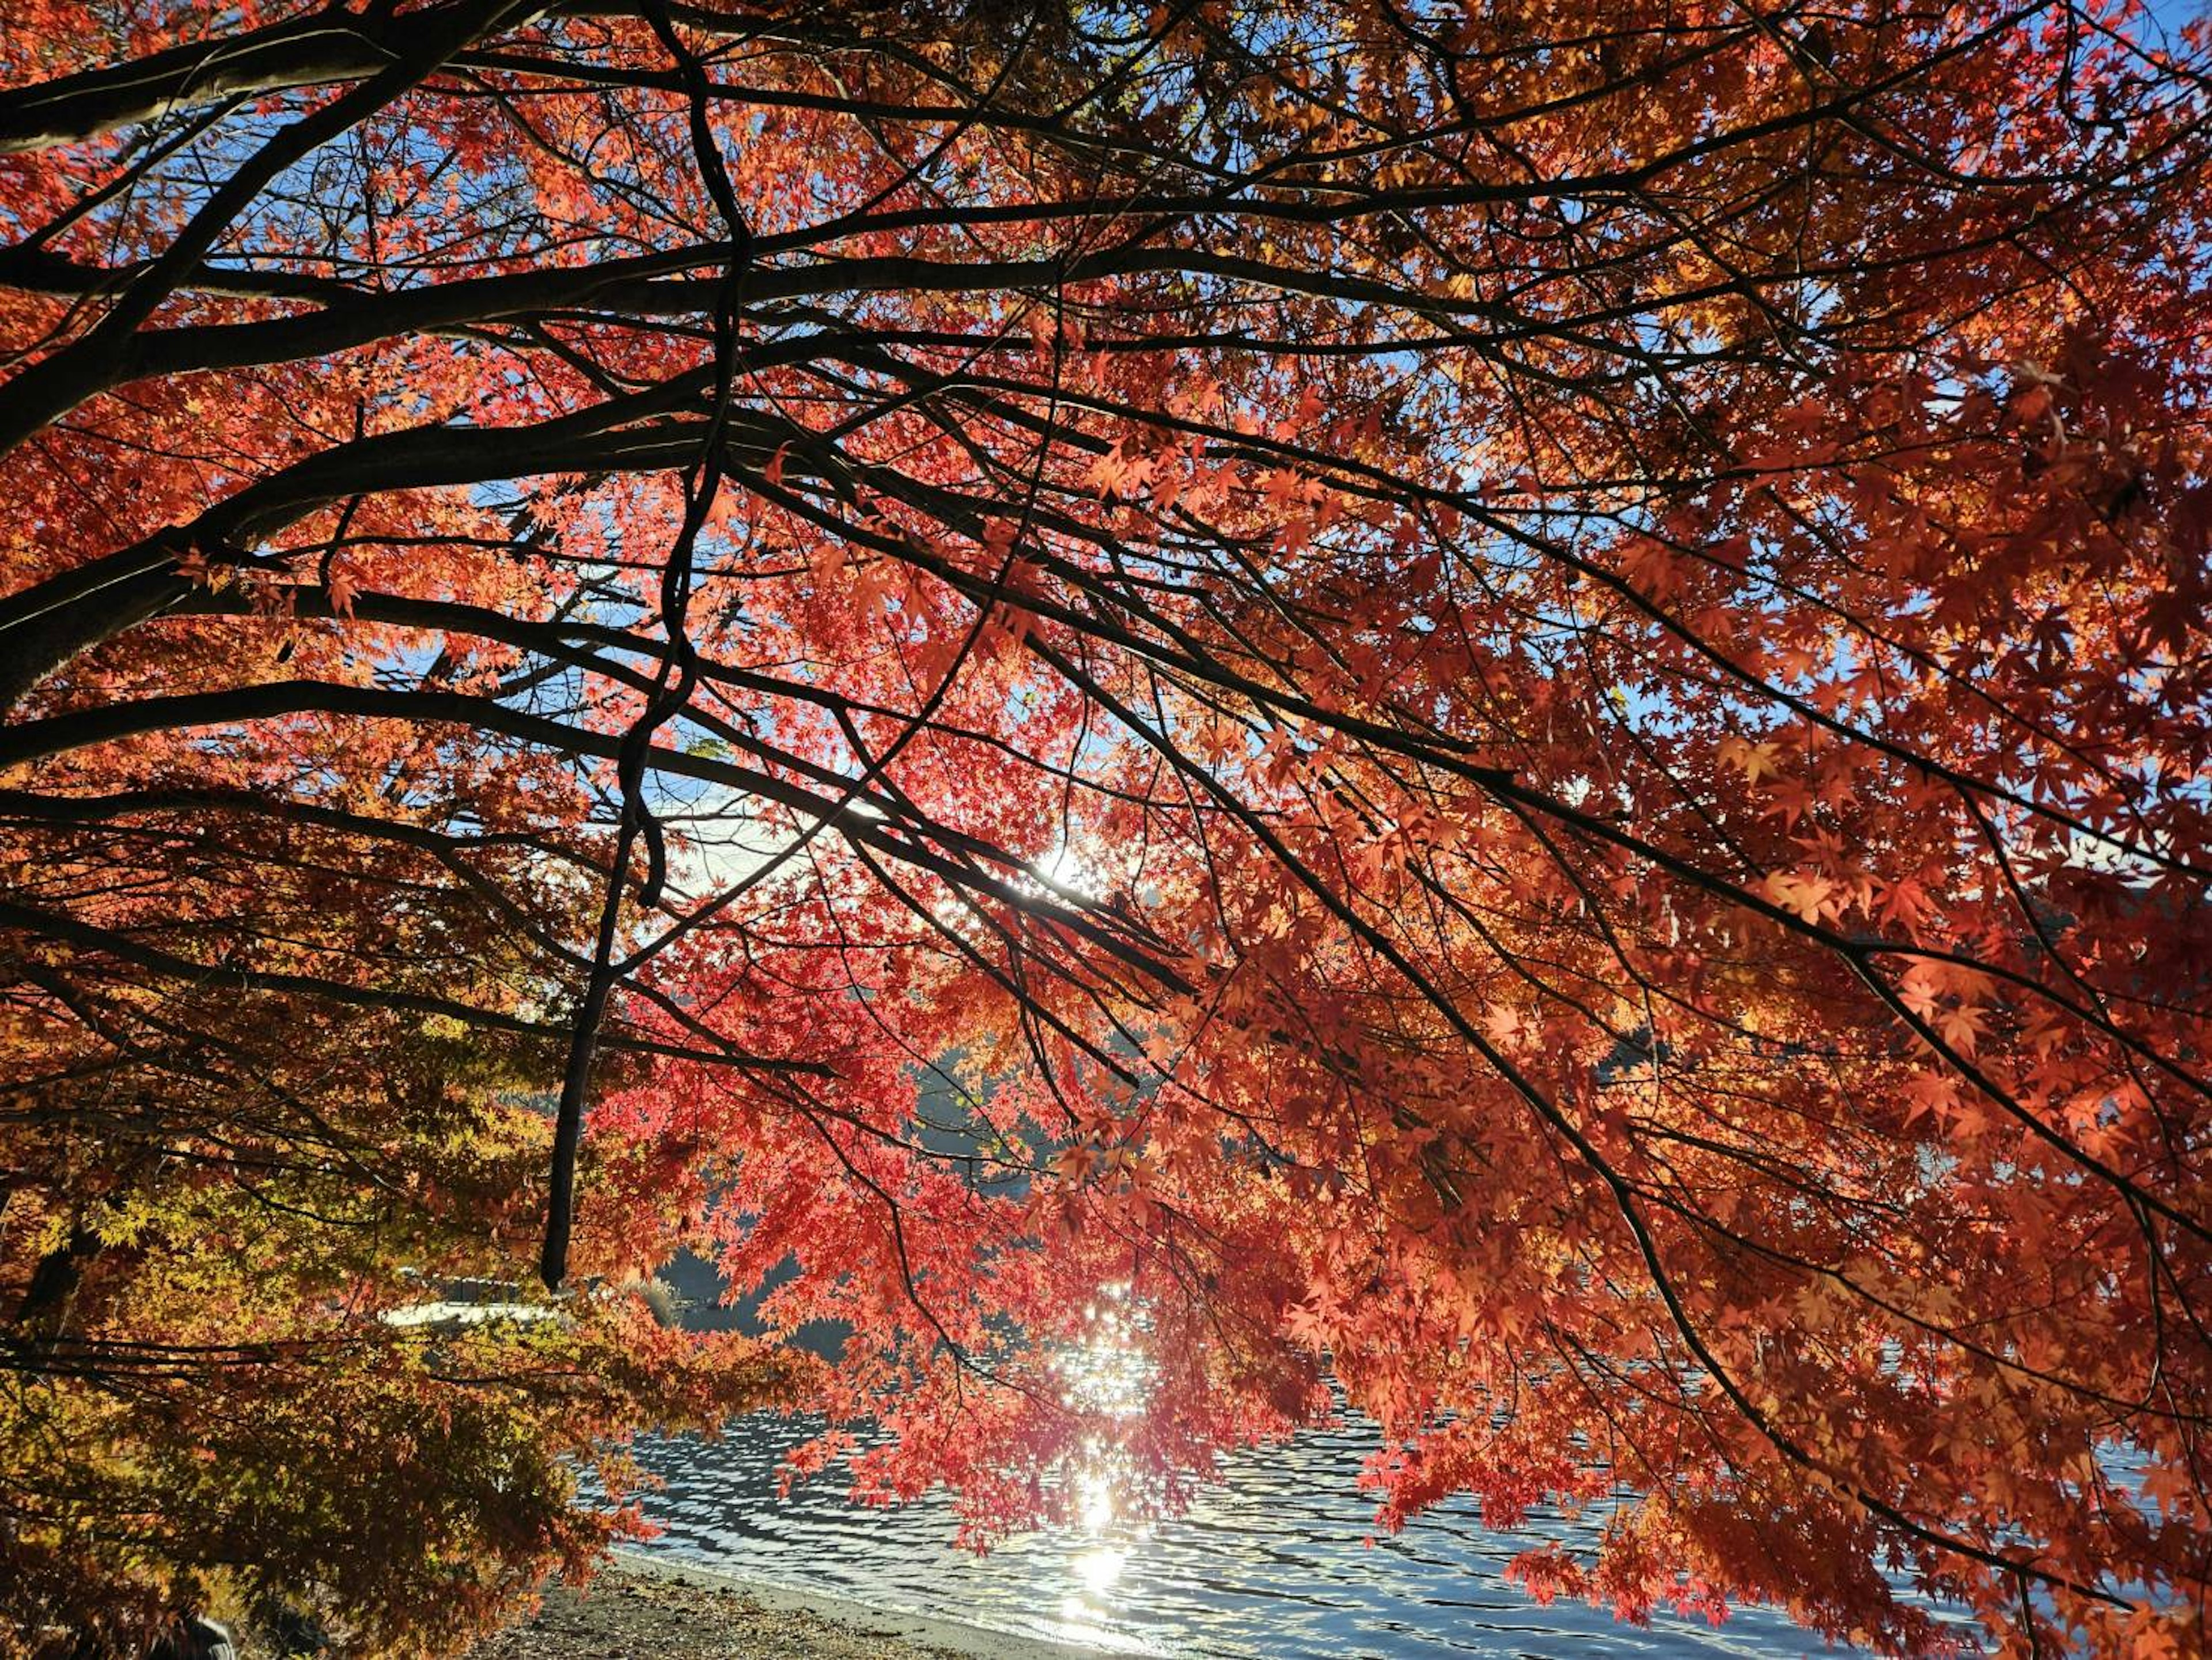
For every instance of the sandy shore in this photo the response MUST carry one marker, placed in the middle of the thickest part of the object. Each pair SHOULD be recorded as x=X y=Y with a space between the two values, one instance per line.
x=639 y=1608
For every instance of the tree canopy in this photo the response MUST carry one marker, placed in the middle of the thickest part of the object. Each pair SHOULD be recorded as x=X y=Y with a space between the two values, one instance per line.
x=1507 y=704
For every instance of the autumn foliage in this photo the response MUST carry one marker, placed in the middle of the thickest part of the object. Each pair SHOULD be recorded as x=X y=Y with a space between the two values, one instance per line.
x=1508 y=703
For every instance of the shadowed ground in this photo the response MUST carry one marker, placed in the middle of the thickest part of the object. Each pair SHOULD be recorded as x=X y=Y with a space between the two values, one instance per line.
x=667 y=1613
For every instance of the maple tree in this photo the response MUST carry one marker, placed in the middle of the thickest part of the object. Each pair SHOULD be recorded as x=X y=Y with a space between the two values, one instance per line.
x=1509 y=707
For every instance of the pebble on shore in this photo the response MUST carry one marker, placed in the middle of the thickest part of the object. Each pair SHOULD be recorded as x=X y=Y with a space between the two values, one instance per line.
x=646 y=1617
x=631 y=1613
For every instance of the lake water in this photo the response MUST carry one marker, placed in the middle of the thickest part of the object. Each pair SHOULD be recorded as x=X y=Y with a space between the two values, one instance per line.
x=1272 y=1562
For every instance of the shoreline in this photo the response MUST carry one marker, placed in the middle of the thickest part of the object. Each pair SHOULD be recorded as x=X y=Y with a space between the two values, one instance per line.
x=646 y=1605
x=956 y=1636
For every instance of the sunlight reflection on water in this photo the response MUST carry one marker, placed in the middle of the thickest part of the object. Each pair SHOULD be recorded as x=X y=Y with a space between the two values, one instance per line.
x=1278 y=1558
x=1271 y=1561
x=1107 y=1381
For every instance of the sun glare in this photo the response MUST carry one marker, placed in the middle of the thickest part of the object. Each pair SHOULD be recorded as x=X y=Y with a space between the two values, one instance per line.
x=1106 y=1380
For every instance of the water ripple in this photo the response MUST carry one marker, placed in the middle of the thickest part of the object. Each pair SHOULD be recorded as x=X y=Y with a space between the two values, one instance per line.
x=1273 y=1562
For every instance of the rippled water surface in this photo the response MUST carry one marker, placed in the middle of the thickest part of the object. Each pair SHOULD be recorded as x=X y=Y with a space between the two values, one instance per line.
x=1273 y=1562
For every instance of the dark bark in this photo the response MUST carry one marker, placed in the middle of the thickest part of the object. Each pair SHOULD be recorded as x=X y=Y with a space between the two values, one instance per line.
x=95 y=942
x=45 y=1306
x=57 y=384
x=43 y=627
